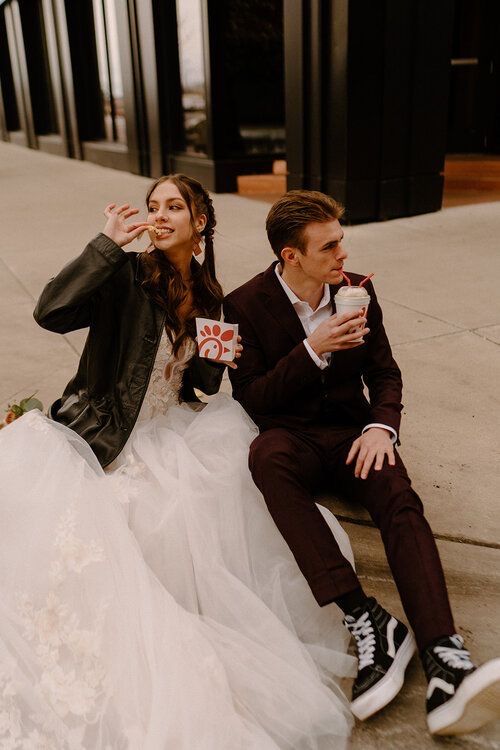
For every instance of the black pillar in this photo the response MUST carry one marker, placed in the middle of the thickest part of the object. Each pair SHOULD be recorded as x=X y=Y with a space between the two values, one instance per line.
x=8 y=103
x=54 y=62
x=367 y=102
x=86 y=86
x=166 y=126
x=66 y=84
x=26 y=135
x=149 y=102
x=37 y=64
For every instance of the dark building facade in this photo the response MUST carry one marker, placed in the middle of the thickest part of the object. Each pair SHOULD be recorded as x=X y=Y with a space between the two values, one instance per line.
x=362 y=97
x=147 y=86
x=378 y=92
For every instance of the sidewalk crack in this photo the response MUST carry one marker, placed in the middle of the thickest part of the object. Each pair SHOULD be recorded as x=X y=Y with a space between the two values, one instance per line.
x=440 y=537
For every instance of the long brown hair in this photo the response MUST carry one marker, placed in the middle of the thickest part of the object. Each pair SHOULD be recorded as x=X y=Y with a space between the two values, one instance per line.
x=162 y=280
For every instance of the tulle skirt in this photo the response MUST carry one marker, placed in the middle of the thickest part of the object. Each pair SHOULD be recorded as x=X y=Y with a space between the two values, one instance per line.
x=155 y=605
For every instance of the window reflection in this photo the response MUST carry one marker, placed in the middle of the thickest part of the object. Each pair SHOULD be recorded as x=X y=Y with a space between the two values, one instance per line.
x=192 y=70
x=110 y=74
x=251 y=46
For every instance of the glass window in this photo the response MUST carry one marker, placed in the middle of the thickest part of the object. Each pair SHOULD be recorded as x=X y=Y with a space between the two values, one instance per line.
x=110 y=73
x=192 y=70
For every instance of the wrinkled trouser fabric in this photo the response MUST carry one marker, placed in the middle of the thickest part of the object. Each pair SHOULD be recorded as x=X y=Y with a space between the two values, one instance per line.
x=289 y=466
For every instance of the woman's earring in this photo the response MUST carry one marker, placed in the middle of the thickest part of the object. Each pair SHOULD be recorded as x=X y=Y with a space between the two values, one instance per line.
x=199 y=247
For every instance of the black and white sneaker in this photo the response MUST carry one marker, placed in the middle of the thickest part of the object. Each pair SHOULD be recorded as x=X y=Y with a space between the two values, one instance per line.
x=460 y=697
x=384 y=646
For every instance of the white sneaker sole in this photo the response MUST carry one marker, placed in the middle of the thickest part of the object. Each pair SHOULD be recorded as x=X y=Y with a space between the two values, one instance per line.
x=388 y=687
x=476 y=702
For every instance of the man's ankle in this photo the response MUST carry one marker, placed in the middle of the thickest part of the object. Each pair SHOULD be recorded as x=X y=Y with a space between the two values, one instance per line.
x=351 y=601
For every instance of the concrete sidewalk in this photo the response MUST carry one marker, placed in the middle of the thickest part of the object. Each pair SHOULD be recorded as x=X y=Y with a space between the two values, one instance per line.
x=437 y=280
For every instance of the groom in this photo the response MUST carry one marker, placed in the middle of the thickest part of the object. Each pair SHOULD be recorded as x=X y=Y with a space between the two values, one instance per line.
x=301 y=378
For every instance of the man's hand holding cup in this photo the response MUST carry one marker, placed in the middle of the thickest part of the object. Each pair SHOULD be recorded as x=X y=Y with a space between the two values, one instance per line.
x=339 y=332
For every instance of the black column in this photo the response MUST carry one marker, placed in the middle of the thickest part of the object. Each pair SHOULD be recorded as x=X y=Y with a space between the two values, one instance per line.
x=37 y=64
x=133 y=89
x=4 y=136
x=10 y=115
x=66 y=85
x=54 y=60
x=26 y=136
x=147 y=40
x=87 y=90
x=367 y=102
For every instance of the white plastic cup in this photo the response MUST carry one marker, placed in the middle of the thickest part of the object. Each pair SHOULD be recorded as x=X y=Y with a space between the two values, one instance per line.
x=346 y=304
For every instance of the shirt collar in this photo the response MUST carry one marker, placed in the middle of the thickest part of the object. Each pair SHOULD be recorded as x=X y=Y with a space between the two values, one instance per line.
x=325 y=300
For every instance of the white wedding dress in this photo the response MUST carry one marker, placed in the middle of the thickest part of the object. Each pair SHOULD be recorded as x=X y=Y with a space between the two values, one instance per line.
x=155 y=605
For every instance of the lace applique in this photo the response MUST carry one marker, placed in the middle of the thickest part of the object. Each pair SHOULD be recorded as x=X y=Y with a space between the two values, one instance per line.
x=72 y=675
x=122 y=477
x=166 y=378
x=10 y=714
x=73 y=554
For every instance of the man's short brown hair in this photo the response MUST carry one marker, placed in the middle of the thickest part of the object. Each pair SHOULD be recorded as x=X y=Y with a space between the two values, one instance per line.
x=289 y=216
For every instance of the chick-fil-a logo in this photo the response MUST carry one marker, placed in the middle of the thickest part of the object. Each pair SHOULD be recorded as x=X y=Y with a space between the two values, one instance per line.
x=212 y=340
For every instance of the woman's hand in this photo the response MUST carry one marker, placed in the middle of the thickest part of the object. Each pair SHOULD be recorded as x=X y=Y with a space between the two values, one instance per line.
x=232 y=365
x=117 y=229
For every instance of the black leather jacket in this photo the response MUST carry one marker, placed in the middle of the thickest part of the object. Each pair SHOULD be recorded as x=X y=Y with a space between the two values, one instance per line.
x=101 y=289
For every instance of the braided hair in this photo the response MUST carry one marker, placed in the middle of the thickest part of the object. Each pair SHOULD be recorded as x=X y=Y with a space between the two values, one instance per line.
x=162 y=280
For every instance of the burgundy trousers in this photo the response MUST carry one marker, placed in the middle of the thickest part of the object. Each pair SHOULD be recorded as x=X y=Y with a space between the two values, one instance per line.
x=288 y=466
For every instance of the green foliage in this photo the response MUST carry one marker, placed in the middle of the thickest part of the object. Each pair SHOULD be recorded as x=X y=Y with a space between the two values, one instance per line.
x=27 y=404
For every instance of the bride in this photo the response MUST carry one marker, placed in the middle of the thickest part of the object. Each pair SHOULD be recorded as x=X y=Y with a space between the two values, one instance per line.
x=148 y=601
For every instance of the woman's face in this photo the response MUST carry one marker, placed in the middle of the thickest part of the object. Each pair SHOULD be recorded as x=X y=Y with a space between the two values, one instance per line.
x=169 y=212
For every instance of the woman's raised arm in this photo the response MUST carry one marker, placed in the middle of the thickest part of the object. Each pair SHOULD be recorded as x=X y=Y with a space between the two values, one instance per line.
x=64 y=304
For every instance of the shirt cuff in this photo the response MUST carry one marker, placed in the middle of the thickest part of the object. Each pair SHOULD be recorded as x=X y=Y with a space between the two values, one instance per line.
x=322 y=362
x=394 y=434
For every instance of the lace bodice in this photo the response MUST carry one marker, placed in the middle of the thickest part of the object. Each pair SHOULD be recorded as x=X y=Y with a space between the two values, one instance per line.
x=166 y=378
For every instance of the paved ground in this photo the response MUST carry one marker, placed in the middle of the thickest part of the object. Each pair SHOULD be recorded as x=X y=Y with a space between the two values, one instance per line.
x=437 y=278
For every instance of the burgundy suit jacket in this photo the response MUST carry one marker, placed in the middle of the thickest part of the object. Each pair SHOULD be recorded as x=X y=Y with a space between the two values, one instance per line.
x=279 y=384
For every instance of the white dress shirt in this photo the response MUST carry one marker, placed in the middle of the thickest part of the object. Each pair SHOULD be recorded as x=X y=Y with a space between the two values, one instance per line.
x=310 y=320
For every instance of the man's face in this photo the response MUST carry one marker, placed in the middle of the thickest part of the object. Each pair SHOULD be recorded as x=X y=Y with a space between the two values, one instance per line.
x=324 y=257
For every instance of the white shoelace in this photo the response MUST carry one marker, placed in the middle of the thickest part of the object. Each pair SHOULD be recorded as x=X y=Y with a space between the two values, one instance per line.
x=362 y=630
x=457 y=658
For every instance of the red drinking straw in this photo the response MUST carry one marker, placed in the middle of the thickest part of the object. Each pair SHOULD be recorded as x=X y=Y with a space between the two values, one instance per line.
x=367 y=278
x=346 y=277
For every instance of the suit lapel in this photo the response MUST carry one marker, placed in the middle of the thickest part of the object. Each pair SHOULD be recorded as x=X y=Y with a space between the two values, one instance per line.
x=280 y=307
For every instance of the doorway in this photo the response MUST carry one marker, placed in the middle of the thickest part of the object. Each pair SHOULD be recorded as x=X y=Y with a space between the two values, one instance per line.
x=472 y=167
x=474 y=105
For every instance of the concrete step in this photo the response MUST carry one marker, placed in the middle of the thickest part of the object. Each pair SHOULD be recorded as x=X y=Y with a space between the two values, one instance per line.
x=473 y=577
